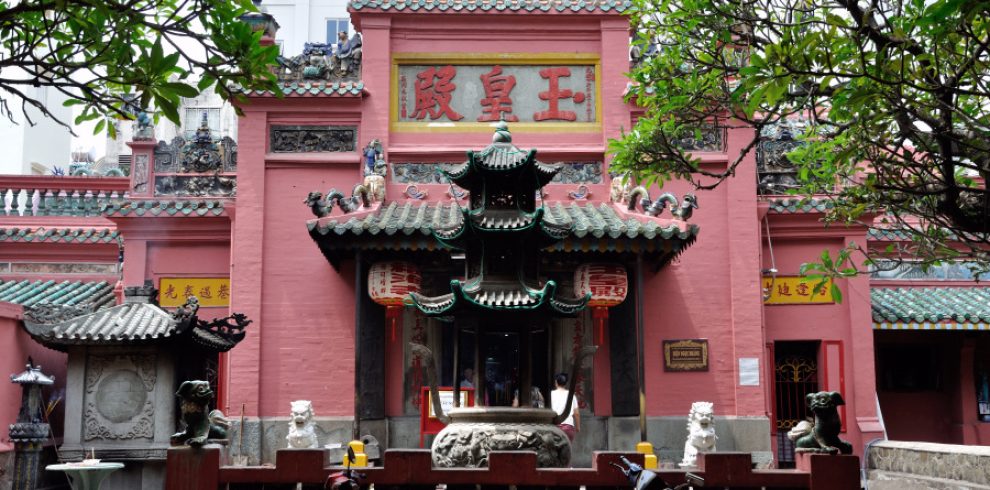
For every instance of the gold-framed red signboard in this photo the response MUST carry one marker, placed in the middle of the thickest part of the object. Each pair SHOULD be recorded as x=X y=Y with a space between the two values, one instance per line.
x=685 y=355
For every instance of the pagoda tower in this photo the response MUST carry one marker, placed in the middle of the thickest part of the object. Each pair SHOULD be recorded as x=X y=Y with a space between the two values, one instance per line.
x=501 y=234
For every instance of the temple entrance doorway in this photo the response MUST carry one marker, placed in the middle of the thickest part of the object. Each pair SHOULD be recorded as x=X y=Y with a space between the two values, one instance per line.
x=795 y=375
x=501 y=351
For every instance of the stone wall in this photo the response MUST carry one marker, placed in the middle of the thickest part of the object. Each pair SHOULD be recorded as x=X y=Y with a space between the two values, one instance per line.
x=901 y=465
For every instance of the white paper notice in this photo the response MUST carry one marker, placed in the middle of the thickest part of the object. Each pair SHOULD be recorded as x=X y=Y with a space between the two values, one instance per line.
x=749 y=371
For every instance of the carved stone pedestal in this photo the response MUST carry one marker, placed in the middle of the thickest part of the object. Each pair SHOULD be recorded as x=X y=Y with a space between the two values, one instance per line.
x=473 y=432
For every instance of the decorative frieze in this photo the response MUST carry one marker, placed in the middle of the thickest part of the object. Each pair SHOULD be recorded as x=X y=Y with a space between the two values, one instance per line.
x=313 y=139
x=198 y=167
x=60 y=268
x=776 y=173
x=195 y=185
x=707 y=138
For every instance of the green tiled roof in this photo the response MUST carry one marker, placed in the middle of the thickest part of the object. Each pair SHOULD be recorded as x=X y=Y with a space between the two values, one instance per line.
x=409 y=226
x=95 y=294
x=157 y=207
x=66 y=235
x=887 y=234
x=492 y=5
x=799 y=205
x=960 y=305
x=296 y=89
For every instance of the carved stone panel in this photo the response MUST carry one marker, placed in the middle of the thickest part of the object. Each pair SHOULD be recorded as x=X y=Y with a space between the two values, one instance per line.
x=167 y=155
x=119 y=397
x=313 y=139
x=140 y=173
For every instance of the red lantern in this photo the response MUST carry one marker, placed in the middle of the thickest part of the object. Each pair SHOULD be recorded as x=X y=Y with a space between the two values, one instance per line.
x=389 y=284
x=608 y=287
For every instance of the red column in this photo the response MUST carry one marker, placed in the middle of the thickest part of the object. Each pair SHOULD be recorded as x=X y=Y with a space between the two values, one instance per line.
x=965 y=416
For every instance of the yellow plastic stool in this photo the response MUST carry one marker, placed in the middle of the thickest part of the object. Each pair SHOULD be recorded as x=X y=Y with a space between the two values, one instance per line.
x=649 y=459
x=360 y=458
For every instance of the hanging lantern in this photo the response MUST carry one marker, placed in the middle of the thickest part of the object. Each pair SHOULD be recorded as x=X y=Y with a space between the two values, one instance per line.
x=389 y=284
x=607 y=285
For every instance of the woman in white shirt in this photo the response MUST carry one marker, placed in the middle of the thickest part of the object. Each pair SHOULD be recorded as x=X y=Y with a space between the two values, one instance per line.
x=558 y=398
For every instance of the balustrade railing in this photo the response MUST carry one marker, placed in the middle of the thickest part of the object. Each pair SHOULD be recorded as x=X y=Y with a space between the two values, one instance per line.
x=411 y=469
x=29 y=195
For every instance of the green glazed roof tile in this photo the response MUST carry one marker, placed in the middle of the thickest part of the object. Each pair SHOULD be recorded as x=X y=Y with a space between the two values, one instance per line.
x=190 y=207
x=68 y=235
x=98 y=294
x=315 y=88
x=799 y=205
x=931 y=305
x=409 y=226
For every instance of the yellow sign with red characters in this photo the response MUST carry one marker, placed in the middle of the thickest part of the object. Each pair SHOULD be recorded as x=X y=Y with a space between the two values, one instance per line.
x=210 y=291
x=795 y=290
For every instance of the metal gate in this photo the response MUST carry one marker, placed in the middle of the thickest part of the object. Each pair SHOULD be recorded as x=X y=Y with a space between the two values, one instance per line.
x=795 y=375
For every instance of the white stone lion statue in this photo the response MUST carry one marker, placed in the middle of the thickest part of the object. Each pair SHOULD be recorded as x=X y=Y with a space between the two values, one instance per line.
x=302 y=433
x=701 y=433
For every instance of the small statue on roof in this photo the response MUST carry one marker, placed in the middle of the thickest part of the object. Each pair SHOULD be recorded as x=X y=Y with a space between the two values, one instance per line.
x=314 y=57
x=145 y=129
x=348 y=56
x=187 y=311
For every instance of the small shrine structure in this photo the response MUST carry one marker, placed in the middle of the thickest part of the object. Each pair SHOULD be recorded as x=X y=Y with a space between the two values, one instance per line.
x=125 y=363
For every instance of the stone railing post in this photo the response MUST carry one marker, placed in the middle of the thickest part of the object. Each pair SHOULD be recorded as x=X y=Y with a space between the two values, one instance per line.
x=190 y=468
x=832 y=472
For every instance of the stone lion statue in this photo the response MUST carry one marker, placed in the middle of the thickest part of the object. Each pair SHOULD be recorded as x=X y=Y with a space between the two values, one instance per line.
x=302 y=433
x=701 y=433
x=822 y=436
x=201 y=424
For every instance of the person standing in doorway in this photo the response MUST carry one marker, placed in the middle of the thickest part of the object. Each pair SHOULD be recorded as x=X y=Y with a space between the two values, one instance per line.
x=467 y=379
x=558 y=398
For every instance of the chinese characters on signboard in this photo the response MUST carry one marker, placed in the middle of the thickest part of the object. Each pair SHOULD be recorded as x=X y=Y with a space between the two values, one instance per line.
x=685 y=355
x=210 y=291
x=795 y=290
x=488 y=93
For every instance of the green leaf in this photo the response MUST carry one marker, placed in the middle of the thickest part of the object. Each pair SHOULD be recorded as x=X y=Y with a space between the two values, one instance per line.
x=182 y=89
x=836 y=293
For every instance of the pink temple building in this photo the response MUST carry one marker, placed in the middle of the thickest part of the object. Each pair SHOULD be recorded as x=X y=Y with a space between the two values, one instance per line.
x=714 y=302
